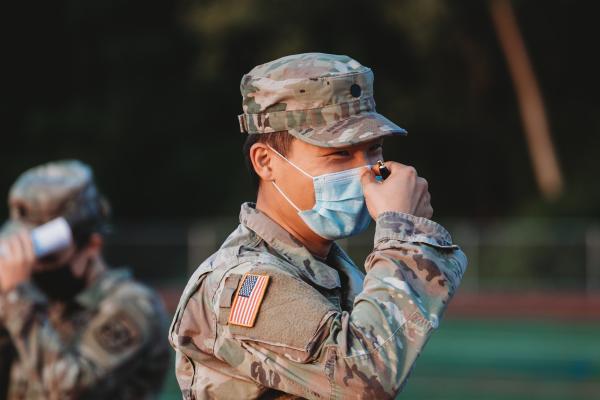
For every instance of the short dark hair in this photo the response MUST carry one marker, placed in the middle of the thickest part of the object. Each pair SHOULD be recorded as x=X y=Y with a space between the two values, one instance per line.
x=280 y=141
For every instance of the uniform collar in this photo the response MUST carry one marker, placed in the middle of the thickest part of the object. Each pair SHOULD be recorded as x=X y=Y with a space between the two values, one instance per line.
x=289 y=248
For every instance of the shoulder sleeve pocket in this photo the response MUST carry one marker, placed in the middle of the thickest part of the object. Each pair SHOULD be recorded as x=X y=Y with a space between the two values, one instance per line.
x=290 y=315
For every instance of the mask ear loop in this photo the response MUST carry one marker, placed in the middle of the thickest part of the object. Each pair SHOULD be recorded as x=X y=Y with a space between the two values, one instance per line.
x=285 y=197
x=291 y=163
x=277 y=186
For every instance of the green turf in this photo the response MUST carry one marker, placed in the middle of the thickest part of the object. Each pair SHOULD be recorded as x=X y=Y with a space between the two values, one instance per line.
x=507 y=360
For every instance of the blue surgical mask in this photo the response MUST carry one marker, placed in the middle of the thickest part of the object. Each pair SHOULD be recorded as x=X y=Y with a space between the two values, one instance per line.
x=340 y=209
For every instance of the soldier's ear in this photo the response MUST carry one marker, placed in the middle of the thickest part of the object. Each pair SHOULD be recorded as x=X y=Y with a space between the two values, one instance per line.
x=262 y=161
x=95 y=244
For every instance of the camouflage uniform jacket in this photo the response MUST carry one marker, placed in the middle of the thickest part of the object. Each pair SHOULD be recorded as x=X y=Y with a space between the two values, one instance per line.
x=107 y=343
x=324 y=329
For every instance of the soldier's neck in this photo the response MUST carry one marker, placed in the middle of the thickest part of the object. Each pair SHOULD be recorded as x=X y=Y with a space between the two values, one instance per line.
x=288 y=219
x=95 y=267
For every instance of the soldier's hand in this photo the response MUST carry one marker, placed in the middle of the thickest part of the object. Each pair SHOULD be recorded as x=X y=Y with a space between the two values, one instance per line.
x=403 y=191
x=16 y=260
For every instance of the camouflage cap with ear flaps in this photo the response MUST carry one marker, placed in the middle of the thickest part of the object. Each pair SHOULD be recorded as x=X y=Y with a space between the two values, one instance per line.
x=322 y=99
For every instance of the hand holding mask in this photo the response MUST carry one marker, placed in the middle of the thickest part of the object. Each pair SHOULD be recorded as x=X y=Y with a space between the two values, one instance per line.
x=16 y=260
x=403 y=191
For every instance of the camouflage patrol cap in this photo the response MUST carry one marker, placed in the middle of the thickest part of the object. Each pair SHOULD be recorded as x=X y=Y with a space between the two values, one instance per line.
x=323 y=99
x=51 y=190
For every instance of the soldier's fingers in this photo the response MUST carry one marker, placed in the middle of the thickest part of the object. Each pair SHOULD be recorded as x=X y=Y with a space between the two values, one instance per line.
x=368 y=178
x=421 y=188
x=425 y=211
x=13 y=248
x=27 y=247
x=425 y=197
x=429 y=212
x=3 y=250
x=17 y=249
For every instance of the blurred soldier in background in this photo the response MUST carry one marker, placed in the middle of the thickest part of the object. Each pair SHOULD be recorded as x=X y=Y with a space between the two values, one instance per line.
x=280 y=309
x=70 y=326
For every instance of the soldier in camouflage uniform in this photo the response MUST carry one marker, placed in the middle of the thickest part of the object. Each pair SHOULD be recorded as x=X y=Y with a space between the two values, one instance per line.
x=280 y=311
x=69 y=326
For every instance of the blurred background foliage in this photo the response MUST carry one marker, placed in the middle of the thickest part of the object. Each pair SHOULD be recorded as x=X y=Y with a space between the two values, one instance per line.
x=148 y=93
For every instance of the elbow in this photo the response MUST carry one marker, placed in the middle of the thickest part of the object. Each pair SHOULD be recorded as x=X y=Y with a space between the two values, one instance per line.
x=358 y=384
x=378 y=375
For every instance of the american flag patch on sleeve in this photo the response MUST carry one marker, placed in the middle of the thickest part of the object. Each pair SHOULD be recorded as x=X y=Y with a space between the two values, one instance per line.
x=247 y=300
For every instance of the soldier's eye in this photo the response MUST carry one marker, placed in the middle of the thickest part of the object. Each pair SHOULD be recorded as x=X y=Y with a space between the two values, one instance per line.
x=343 y=153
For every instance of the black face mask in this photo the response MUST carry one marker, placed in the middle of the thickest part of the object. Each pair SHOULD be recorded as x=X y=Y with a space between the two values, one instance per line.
x=59 y=284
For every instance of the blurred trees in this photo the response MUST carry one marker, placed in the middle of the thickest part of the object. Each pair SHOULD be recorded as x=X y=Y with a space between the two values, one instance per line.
x=148 y=94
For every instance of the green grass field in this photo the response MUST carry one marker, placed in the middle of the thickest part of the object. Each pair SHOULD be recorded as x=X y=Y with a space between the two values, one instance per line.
x=502 y=359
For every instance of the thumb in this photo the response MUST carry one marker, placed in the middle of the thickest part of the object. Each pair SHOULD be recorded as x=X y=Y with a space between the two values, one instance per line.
x=368 y=177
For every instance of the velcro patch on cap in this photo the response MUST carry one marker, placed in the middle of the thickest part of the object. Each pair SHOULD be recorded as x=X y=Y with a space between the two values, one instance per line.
x=248 y=299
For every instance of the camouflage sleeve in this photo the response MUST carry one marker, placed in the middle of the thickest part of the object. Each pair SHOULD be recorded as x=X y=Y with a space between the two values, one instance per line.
x=310 y=349
x=412 y=273
x=98 y=359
